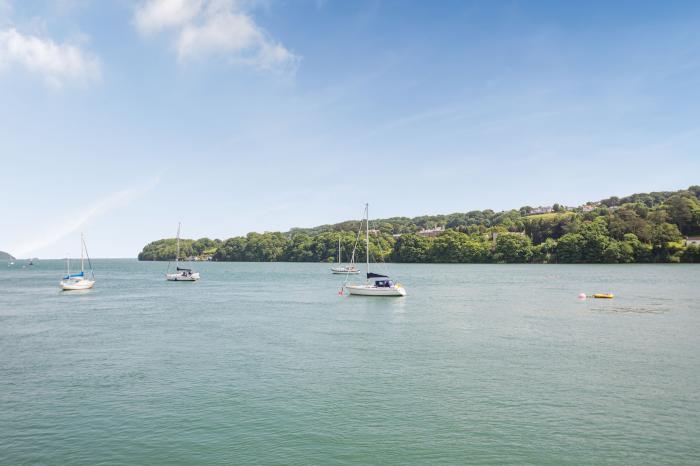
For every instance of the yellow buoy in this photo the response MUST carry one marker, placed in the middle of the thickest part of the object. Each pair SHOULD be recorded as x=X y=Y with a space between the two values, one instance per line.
x=604 y=295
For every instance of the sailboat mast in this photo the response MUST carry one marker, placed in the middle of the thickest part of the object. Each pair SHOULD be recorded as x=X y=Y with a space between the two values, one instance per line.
x=177 y=254
x=339 y=262
x=82 y=261
x=367 y=233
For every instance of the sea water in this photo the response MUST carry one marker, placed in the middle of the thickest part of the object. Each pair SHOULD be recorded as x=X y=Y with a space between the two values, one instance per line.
x=268 y=363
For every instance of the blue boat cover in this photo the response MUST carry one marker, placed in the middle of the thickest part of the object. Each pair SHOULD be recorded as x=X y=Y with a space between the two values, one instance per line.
x=74 y=275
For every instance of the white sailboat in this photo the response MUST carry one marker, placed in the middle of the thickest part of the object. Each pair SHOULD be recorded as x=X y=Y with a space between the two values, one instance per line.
x=344 y=269
x=78 y=281
x=181 y=274
x=376 y=284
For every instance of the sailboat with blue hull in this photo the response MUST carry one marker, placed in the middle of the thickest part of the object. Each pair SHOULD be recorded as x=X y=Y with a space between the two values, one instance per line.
x=79 y=281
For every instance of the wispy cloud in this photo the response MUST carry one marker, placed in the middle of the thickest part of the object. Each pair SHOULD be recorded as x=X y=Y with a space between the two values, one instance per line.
x=81 y=218
x=204 y=28
x=56 y=63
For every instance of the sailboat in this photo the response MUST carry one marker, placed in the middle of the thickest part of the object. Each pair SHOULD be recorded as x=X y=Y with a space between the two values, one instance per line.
x=346 y=269
x=181 y=274
x=78 y=281
x=376 y=284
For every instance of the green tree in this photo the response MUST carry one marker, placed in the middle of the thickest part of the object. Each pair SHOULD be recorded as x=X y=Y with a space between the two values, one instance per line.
x=570 y=248
x=691 y=254
x=265 y=247
x=411 y=248
x=455 y=247
x=299 y=249
x=666 y=244
x=545 y=252
x=641 y=252
x=512 y=248
x=232 y=250
x=202 y=245
x=165 y=250
x=684 y=212
x=595 y=240
x=627 y=220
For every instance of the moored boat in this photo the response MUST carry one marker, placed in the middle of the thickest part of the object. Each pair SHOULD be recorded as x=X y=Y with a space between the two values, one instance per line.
x=344 y=269
x=78 y=281
x=376 y=284
x=181 y=274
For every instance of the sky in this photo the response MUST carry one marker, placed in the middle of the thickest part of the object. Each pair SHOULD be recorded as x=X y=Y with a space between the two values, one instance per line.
x=122 y=118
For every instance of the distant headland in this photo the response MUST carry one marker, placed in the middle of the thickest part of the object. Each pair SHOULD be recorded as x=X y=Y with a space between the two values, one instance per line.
x=645 y=227
x=5 y=256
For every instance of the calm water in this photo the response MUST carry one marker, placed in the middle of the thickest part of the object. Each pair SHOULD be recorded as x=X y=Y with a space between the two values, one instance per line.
x=266 y=363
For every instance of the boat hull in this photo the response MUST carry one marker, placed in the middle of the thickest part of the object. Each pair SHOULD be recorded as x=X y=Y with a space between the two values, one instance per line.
x=178 y=277
x=369 y=290
x=345 y=272
x=77 y=285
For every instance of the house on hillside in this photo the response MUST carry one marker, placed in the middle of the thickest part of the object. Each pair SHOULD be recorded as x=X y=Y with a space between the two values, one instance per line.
x=431 y=232
x=690 y=240
x=589 y=207
x=541 y=210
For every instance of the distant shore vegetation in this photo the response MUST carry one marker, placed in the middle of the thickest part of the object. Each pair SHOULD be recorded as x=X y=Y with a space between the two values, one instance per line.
x=644 y=228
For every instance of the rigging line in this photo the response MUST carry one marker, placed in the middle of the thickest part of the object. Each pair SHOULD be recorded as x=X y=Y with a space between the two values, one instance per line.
x=379 y=261
x=92 y=271
x=357 y=240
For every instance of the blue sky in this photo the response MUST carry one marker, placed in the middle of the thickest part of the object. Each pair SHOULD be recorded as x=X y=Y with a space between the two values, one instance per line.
x=121 y=118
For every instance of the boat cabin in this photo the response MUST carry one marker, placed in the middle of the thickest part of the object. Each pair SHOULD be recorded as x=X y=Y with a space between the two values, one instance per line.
x=383 y=283
x=380 y=281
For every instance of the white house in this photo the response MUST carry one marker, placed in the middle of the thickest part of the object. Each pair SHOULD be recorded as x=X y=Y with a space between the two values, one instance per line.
x=541 y=210
x=431 y=232
x=692 y=240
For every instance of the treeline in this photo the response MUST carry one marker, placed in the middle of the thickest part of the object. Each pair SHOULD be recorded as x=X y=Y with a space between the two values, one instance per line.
x=645 y=227
x=165 y=249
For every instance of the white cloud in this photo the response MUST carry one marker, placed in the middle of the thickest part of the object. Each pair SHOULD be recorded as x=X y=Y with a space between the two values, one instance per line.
x=205 y=28
x=157 y=15
x=57 y=63
x=99 y=207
